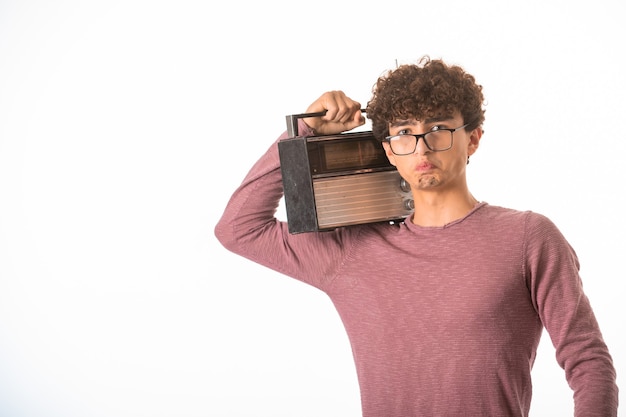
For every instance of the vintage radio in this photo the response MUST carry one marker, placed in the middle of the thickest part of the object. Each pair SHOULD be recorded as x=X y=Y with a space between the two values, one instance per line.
x=339 y=180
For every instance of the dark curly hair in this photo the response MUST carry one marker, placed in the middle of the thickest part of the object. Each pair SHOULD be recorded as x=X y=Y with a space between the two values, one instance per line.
x=430 y=88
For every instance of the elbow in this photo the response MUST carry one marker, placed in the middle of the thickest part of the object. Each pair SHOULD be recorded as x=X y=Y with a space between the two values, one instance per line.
x=223 y=231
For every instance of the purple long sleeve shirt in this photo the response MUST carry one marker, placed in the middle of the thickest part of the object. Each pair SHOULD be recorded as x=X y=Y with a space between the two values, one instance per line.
x=443 y=321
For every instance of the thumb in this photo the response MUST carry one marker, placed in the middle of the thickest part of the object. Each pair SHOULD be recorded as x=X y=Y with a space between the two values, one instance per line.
x=357 y=120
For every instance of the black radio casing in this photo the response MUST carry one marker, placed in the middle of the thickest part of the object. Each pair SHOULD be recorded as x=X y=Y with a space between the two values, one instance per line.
x=340 y=180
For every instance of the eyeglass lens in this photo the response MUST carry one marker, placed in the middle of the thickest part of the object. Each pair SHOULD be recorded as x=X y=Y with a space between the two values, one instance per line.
x=435 y=141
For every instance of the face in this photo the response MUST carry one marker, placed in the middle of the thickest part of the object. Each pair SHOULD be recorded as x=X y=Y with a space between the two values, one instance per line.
x=427 y=170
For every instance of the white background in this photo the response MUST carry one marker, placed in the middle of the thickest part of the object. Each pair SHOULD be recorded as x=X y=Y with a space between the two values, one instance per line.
x=118 y=121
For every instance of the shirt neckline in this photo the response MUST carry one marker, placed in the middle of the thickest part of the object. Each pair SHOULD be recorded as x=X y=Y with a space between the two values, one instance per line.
x=415 y=227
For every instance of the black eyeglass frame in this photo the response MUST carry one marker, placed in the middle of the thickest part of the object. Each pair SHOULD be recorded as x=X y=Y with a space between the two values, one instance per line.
x=423 y=136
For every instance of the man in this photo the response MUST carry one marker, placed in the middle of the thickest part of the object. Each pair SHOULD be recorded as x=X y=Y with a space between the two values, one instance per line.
x=444 y=311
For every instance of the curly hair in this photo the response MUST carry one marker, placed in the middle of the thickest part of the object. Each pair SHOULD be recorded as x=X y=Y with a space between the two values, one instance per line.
x=430 y=88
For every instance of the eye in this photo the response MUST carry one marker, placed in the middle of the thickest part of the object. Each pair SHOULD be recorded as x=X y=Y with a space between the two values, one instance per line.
x=403 y=132
x=436 y=128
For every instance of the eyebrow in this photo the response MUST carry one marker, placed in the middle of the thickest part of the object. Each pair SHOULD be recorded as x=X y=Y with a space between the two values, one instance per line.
x=404 y=122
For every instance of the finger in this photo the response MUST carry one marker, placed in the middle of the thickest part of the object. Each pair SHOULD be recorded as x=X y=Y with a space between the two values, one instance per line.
x=355 y=120
x=341 y=108
x=359 y=118
x=334 y=103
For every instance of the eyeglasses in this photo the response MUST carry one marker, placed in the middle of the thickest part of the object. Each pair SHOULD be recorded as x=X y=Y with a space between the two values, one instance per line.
x=435 y=140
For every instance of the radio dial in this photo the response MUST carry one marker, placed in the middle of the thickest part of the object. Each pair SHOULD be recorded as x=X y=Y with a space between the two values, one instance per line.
x=404 y=185
x=409 y=204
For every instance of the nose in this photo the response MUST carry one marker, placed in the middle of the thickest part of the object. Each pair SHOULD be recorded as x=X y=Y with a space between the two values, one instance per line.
x=420 y=147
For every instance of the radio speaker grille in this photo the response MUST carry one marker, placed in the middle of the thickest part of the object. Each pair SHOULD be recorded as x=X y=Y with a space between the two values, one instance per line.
x=355 y=199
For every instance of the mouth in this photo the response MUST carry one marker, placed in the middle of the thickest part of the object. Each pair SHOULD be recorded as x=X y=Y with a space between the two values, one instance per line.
x=424 y=166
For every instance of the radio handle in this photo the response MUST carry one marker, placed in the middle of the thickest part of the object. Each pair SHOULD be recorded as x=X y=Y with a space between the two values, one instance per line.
x=292 y=121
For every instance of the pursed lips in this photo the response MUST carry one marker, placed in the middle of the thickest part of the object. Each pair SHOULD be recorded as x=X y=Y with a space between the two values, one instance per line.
x=424 y=166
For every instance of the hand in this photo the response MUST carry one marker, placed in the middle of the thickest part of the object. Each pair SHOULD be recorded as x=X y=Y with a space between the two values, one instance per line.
x=342 y=114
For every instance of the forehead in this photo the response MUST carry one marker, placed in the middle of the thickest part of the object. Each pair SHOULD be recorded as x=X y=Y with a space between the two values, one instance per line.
x=425 y=121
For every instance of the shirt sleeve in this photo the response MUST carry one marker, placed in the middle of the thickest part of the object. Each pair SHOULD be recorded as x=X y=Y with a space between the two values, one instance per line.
x=552 y=269
x=249 y=227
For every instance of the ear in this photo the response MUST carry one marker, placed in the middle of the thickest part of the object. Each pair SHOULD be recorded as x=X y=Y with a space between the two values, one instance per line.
x=474 y=140
x=390 y=155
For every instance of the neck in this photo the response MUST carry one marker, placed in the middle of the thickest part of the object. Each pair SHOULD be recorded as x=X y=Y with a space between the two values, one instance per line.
x=436 y=210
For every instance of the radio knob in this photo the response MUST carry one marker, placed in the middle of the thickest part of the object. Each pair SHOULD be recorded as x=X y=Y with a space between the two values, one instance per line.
x=409 y=204
x=404 y=185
